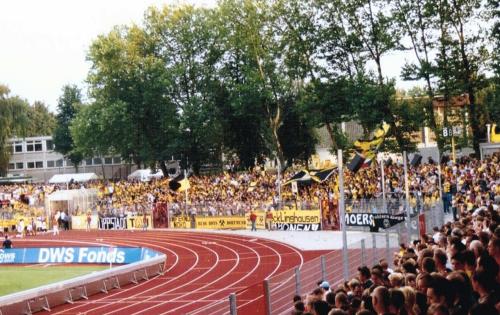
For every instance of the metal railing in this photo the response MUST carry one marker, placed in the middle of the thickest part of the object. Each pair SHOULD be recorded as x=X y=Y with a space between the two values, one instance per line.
x=277 y=292
x=235 y=208
x=68 y=291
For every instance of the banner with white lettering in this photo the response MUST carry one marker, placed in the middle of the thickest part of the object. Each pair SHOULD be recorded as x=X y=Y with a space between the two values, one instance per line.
x=298 y=227
x=113 y=223
x=378 y=220
x=80 y=255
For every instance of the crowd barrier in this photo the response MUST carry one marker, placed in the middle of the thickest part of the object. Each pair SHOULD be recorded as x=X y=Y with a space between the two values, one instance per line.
x=48 y=296
x=238 y=208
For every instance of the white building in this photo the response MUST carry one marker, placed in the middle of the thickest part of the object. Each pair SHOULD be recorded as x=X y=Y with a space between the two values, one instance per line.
x=35 y=157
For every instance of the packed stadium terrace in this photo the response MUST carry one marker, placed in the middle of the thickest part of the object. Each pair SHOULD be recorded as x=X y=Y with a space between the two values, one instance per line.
x=469 y=181
x=453 y=271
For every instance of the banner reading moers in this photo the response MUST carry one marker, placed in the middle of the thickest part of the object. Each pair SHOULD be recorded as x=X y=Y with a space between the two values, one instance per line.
x=377 y=220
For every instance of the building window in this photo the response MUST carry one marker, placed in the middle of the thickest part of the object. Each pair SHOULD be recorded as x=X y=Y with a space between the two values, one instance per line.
x=97 y=161
x=69 y=163
x=39 y=164
x=31 y=164
x=59 y=163
x=38 y=146
x=50 y=145
x=108 y=160
x=19 y=165
x=30 y=147
x=88 y=162
x=117 y=160
x=50 y=163
x=12 y=166
x=18 y=146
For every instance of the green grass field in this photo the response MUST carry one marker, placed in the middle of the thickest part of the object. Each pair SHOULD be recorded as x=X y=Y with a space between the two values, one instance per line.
x=14 y=279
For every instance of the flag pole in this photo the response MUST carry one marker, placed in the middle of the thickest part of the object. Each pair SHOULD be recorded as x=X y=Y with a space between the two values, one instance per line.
x=279 y=184
x=407 y=194
x=384 y=200
x=185 y=195
x=340 y=166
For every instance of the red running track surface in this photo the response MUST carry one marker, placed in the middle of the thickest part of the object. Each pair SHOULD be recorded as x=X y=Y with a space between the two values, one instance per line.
x=200 y=268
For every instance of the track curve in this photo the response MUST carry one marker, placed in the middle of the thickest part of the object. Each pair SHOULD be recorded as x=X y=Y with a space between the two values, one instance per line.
x=200 y=268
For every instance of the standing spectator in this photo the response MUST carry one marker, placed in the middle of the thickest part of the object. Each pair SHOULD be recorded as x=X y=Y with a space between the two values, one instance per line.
x=20 y=228
x=7 y=244
x=55 y=226
x=59 y=218
x=253 y=219
x=447 y=196
x=144 y=222
x=29 y=229
x=364 y=275
x=494 y=249
x=269 y=219
x=89 y=220
x=381 y=300
x=44 y=226
x=33 y=226
x=486 y=286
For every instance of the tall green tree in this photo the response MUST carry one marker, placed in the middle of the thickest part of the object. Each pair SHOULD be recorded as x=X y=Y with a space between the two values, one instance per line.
x=372 y=23
x=467 y=56
x=187 y=43
x=68 y=106
x=269 y=52
x=327 y=105
x=42 y=121
x=492 y=97
x=14 y=122
x=130 y=89
x=417 y=19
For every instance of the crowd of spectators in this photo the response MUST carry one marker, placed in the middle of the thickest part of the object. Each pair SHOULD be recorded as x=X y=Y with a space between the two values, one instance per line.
x=234 y=193
x=452 y=271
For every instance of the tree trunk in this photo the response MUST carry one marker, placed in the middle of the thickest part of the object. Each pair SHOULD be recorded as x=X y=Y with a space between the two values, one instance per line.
x=332 y=136
x=103 y=170
x=277 y=144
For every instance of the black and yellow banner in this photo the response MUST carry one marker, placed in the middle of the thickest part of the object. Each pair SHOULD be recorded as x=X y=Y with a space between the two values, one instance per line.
x=181 y=222
x=221 y=223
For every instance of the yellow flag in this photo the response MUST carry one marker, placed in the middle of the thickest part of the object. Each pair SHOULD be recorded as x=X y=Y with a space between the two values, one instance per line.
x=185 y=185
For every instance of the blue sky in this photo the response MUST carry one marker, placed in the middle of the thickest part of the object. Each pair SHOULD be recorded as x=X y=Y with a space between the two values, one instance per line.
x=44 y=43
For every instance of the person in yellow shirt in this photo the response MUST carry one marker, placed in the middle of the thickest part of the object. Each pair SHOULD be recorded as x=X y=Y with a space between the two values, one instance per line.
x=447 y=196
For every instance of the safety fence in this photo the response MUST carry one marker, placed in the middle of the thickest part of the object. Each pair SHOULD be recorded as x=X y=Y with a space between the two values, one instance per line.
x=334 y=267
x=69 y=291
x=276 y=293
x=424 y=213
x=230 y=208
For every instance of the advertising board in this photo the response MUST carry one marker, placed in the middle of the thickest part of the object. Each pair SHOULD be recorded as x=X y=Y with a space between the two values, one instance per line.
x=80 y=255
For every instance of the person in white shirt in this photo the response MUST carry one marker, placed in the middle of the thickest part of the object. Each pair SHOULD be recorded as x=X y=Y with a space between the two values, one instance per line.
x=20 y=228
x=55 y=226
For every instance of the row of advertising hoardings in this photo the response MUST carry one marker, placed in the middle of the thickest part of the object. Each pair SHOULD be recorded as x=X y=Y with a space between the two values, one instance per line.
x=283 y=220
x=286 y=220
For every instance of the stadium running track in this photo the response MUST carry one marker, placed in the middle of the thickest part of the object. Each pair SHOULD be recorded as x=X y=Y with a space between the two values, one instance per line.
x=200 y=268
